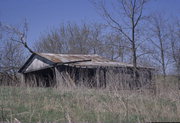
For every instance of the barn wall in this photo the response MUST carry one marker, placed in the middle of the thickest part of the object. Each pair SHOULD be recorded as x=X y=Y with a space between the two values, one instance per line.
x=104 y=77
x=63 y=78
x=36 y=65
x=100 y=77
x=122 y=78
x=75 y=76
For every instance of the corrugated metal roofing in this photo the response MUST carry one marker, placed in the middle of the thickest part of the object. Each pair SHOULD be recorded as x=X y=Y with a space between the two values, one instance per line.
x=62 y=58
x=74 y=60
x=96 y=60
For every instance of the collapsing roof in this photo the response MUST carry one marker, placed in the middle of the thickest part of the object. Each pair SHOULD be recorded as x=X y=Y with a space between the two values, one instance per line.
x=82 y=60
x=62 y=58
x=78 y=60
x=53 y=70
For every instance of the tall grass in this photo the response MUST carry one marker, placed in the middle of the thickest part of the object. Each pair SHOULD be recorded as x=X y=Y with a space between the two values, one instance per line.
x=90 y=105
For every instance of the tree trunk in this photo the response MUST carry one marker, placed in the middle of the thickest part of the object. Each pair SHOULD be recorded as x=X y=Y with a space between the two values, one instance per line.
x=134 y=54
x=162 y=58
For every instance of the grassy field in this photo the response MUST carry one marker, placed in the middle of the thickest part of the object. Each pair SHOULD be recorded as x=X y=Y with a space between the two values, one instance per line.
x=89 y=105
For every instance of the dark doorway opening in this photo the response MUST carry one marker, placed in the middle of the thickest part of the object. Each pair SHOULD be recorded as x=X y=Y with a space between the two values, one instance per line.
x=41 y=78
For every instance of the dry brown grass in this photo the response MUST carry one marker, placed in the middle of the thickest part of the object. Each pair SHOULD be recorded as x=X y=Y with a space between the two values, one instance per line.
x=90 y=105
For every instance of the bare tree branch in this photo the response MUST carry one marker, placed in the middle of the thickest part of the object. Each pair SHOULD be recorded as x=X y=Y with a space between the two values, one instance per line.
x=21 y=36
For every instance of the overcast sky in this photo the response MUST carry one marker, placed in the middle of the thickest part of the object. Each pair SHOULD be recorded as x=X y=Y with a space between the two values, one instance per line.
x=45 y=14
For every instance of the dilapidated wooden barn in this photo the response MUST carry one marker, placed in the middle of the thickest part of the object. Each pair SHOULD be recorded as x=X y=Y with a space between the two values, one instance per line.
x=53 y=70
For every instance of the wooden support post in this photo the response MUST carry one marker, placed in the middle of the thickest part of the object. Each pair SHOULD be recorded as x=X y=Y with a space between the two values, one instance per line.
x=54 y=77
x=97 y=77
x=104 y=70
x=86 y=77
x=23 y=80
x=80 y=76
x=58 y=78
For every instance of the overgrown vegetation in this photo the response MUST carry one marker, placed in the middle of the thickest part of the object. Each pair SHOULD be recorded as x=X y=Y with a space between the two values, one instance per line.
x=130 y=34
x=90 y=105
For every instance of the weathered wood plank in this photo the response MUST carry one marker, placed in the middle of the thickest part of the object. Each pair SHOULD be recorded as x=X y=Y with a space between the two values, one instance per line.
x=36 y=64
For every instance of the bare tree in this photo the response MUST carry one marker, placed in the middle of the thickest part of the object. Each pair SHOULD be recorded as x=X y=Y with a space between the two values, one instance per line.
x=11 y=57
x=51 y=42
x=78 y=38
x=115 y=47
x=158 y=39
x=12 y=51
x=72 y=38
x=174 y=38
x=131 y=11
x=129 y=14
x=96 y=39
x=18 y=35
